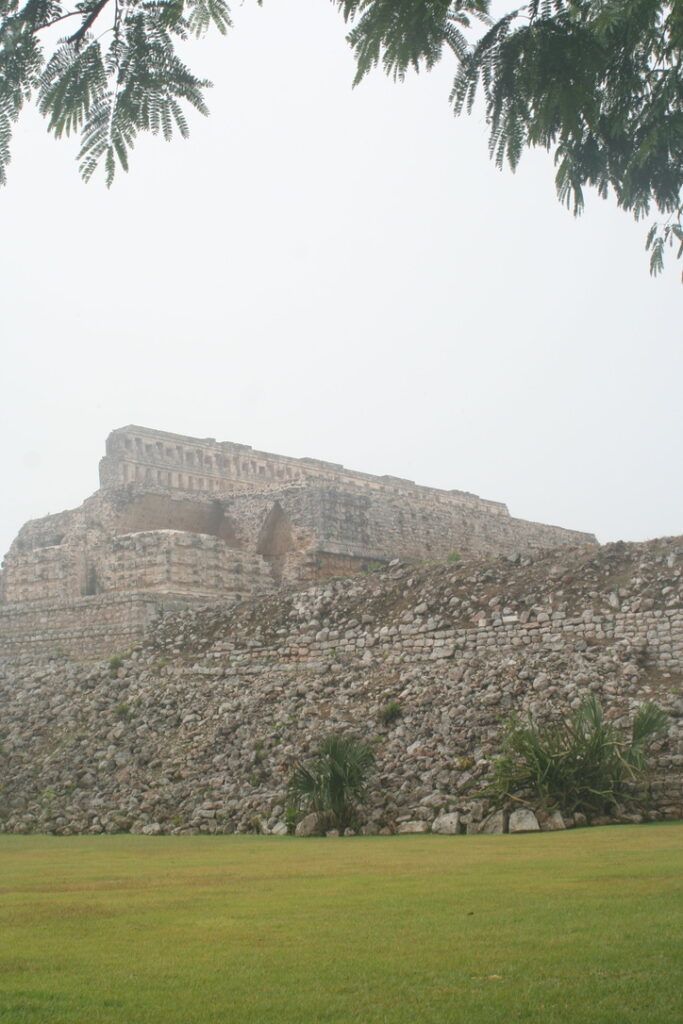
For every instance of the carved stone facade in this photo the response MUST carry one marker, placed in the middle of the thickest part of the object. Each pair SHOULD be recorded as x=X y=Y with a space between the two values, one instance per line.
x=180 y=520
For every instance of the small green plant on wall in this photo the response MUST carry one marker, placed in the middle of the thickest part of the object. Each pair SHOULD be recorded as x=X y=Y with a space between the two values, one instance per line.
x=115 y=663
x=373 y=566
x=390 y=713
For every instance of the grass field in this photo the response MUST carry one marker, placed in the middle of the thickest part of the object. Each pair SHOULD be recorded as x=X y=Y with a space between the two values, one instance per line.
x=581 y=926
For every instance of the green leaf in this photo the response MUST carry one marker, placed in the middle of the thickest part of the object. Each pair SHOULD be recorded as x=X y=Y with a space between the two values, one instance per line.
x=72 y=81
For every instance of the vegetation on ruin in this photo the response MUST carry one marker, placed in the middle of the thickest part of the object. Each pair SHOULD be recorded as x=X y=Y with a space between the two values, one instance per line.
x=579 y=762
x=115 y=663
x=597 y=82
x=576 y=926
x=334 y=782
x=391 y=712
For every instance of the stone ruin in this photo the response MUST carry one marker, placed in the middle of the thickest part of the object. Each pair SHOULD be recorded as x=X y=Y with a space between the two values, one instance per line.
x=181 y=522
x=197 y=728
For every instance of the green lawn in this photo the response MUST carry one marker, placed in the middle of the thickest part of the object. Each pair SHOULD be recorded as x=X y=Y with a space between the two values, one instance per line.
x=581 y=926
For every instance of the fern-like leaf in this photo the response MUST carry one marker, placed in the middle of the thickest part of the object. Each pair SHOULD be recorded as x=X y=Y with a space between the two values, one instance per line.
x=72 y=81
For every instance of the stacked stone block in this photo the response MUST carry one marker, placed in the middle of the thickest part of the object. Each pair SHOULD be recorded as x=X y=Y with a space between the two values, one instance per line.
x=220 y=522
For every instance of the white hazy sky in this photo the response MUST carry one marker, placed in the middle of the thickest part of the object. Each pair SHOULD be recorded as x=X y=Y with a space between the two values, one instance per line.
x=341 y=274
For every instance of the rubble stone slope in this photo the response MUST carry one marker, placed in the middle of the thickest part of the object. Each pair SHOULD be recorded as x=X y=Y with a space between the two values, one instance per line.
x=196 y=729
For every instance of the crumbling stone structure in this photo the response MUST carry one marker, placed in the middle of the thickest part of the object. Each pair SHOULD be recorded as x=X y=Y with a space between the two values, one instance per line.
x=181 y=521
x=197 y=728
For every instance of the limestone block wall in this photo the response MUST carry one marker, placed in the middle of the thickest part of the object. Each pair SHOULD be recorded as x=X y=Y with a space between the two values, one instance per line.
x=222 y=521
x=368 y=525
x=155 y=509
x=49 y=531
x=41 y=574
x=421 y=525
x=271 y=505
x=191 y=563
x=274 y=522
x=93 y=603
x=85 y=627
x=659 y=632
x=457 y=647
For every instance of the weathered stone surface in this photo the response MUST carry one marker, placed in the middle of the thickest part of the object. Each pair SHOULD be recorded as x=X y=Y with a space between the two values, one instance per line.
x=494 y=824
x=631 y=819
x=411 y=827
x=180 y=521
x=476 y=810
x=447 y=824
x=148 y=830
x=523 y=820
x=196 y=728
x=279 y=830
x=308 y=826
x=553 y=822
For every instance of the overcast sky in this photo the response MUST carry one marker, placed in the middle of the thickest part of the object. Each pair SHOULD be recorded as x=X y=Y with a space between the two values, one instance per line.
x=341 y=274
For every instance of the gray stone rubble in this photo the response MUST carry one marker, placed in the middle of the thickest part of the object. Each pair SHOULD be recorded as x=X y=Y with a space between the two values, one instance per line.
x=196 y=729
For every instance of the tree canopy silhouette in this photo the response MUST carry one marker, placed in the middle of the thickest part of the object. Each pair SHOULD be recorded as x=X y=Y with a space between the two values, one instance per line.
x=597 y=82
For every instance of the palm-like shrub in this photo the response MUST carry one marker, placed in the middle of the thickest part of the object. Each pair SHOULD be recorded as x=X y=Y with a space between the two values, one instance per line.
x=579 y=763
x=333 y=783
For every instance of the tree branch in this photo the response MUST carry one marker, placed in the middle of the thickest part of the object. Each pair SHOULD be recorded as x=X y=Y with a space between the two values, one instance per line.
x=77 y=37
x=62 y=17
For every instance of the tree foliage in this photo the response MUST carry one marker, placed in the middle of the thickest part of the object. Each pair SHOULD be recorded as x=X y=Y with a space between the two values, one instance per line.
x=333 y=783
x=597 y=82
x=581 y=762
x=108 y=87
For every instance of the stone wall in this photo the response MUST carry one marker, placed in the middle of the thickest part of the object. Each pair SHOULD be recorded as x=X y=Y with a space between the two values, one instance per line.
x=43 y=574
x=658 y=632
x=199 y=727
x=170 y=561
x=157 y=511
x=83 y=627
x=344 y=511
x=420 y=525
x=223 y=522
x=139 y=575
x=139 y=455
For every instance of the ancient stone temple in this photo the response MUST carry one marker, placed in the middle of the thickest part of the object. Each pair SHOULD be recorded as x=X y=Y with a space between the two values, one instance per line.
x=181 y=521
